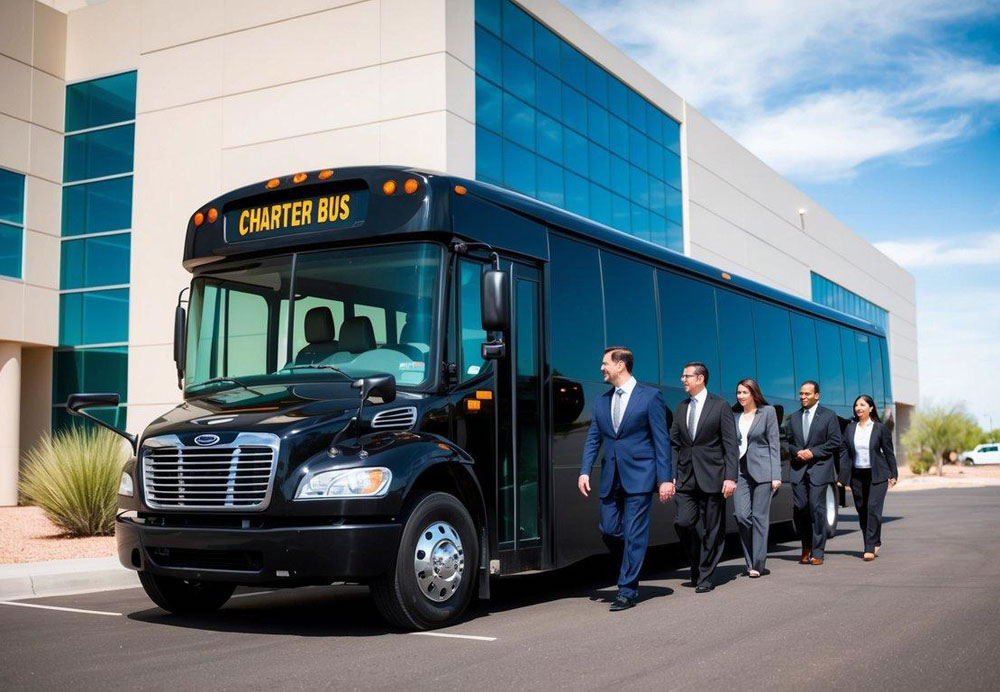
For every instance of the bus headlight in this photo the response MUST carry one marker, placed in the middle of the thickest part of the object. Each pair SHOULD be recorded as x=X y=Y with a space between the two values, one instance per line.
x=363 y=482
x=125 y=487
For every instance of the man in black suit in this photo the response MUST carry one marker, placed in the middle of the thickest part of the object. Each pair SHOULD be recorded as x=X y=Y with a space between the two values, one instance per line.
x=706 y=451
x=813 y=435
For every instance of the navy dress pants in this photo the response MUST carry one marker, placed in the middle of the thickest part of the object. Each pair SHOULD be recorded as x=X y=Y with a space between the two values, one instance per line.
x=625 y=530
x=810 y=514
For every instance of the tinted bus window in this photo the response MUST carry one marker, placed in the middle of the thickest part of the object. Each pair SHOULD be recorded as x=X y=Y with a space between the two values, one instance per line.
x=878 y=383
x=470 y=319
x=886 y=373
x=630 y=307
x=773 y=337
x=577 y=311
x=687 y=312
x=736 y=342
x=831 y=364
x=804 y=350
x=864 y=365
x=852 y=384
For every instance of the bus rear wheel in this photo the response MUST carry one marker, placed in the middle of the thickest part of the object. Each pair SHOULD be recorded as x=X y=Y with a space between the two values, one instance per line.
x=185 y=595
x=433 y=576
x=831 y=510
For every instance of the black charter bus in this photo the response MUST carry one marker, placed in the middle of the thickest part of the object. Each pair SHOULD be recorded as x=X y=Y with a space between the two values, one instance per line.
x=388 y=376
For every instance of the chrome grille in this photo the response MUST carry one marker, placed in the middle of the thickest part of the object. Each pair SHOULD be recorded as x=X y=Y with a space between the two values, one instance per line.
x=395 y=418
x=235 y=476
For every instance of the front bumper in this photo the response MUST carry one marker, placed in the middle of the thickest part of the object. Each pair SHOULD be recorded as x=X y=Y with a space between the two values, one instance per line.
x=274 y=556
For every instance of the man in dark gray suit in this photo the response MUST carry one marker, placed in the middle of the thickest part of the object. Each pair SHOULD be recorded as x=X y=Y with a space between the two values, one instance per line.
x=813 y=435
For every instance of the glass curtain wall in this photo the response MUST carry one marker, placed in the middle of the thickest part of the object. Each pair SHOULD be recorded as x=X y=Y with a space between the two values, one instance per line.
x=96 y=242
x=554 y=125
x=11 y=224
x=826 y=292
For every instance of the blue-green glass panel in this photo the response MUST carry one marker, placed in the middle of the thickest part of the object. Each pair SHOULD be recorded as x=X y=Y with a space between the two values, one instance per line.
x=630 y=306
x=97 y=207
x=638 y=186
x=99 y=153
x=93 y=317
x=672 y=136
x=657 y=196
x=619 y=176
x=773 y=336
x=600 y=204
x=100 y=102
x=90 y=370
x=600 y=165
x=11 y=197
x=852 y=383
x=517 y=29
x=672 y=169
x=550 y=138
x=518 y=75
x=577 y=194
x=575 y=151
x=100 y=261
x=878 y=381
x=655 y=159
x=621 y=213
x=689 y=302
x=548 y=94
x=488 y=14
x=805 y=353
x=519 y=168
x=640 y=222
x=574 y=109
x=546 y=48
x=71 y=319
x=489 y=157
x=597 y=83
x=654 y=124
x=658 y=229
x=488 y=60
x=638 y=148
x=550 y=182
x=619 y=136
x=518 y=121
x=488 y=105
x=597 y=124
x=886 y=374
x=617 y=96
x=675 y=236
x=62 y=419
x=673 y=207
x=573 y=66
x=736 y=343
x=865 y=385
x=11 y=239
x=636 y=111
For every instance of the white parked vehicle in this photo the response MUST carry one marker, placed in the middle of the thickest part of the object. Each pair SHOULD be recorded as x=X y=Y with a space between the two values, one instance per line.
x=987 y=453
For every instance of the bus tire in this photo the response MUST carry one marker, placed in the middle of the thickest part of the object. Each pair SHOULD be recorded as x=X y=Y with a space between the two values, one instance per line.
x=433 y=576
x=185 y=596
x=831 y=510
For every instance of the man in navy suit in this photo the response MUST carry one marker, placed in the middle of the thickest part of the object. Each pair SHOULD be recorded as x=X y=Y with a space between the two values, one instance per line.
x=630 y=422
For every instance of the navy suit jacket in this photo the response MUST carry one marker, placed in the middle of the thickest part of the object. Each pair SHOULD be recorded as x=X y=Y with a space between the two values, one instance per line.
x=824 y=442
x=640 y=451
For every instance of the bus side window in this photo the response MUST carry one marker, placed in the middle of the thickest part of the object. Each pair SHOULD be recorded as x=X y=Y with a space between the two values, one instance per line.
x=470 y=320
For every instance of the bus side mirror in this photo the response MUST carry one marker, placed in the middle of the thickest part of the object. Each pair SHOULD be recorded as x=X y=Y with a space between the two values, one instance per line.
x=76 y=403
x=495 y=300
x=180 y=327
x=382 y=386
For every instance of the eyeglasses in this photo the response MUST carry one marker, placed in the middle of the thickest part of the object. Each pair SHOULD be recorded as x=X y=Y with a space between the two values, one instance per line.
x=688 y=377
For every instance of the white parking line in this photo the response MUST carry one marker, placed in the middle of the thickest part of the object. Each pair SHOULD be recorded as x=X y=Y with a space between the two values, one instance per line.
x=68 y=610
x=252 y=593
x=456 y=636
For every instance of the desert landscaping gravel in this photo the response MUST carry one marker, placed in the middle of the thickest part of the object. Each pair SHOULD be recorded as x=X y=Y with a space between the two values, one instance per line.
x=26 y=535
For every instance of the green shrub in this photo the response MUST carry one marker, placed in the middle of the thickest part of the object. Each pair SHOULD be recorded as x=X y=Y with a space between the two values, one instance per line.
x=74 y=478
x=922 y=463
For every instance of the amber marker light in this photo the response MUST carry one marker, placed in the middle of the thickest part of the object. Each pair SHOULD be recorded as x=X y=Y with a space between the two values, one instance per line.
x=410 y=186
x=213 y=214
x=273 y=183
x=725 y=275
x=473 y=404
x=199 y=219
x=459 y=190
x=389 y=187
x=484 y=395
x=299 y=178
x=323 y=175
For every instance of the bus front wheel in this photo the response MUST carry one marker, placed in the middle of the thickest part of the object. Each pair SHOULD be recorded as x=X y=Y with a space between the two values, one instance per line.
x=185 y=595
x=433 y=576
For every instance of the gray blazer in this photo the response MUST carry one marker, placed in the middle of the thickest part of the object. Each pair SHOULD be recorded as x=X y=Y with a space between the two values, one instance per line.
x=763 y=449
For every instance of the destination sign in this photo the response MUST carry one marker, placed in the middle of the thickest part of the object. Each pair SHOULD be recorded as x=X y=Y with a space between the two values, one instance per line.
x=307 y=215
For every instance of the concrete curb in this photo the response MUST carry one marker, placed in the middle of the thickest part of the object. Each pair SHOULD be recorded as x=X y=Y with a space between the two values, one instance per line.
x=61 y=577
x=937 y=483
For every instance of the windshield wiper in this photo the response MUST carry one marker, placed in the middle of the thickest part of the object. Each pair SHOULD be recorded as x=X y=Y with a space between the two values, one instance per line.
x=215 y=380
x=318 y=366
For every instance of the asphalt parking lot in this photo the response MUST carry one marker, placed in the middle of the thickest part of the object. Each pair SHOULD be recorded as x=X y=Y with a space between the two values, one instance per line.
x=925 y=615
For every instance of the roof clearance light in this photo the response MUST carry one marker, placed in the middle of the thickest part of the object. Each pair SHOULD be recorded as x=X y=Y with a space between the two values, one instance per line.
x=459 y=190
x=726 y=276
x=410 y=186
x=389 y=187
x=213 y=214
x=299 y=177
x=323 y=175
x=199 y=219
x=273 y=183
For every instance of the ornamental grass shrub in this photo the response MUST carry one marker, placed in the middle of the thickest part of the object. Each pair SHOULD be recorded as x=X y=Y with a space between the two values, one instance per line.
x=922 y=462
x=74 y=478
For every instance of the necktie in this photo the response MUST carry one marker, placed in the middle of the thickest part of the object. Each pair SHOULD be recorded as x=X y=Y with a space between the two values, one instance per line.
x=691 y=409
x=806 y=424
x=616 y=409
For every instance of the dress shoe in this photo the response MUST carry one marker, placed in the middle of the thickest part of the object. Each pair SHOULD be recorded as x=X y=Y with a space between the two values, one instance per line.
x=689 y=584
x=868 y=557
x=753 y=574
x=806 y=557
x=622 y=603
x=704 y=588
x=816 y=561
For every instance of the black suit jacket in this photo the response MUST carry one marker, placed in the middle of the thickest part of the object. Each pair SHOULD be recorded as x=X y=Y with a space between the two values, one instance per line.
x=880 y=453
x=824 y=442
x=713 y=456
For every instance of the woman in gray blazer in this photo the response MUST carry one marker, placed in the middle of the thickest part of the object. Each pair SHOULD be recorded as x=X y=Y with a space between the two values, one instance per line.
x=760 y=471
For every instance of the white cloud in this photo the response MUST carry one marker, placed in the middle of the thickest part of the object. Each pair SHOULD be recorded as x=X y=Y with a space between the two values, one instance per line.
x=955 y=251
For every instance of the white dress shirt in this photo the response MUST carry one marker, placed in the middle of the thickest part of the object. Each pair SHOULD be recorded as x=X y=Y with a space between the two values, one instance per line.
x=862 y=445
x=746 y=420
x=626 y=388
x=808 y=414
x=700 y=397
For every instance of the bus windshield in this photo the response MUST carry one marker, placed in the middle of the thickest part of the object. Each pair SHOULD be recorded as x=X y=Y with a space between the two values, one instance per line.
x=355 y=312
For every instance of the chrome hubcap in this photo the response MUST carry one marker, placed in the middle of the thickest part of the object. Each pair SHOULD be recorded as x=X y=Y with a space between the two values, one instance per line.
x=439 y=561
x=831 y=505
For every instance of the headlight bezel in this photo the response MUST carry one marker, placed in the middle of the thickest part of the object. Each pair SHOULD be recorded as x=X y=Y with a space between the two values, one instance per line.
x=324 y=484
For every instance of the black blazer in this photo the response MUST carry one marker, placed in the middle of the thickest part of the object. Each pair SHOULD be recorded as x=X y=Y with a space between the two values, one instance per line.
x=880 y=453
x=824 y=442
x=713 y=456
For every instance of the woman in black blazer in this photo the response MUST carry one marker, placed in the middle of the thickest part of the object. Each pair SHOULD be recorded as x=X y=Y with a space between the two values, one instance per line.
x=868 y=465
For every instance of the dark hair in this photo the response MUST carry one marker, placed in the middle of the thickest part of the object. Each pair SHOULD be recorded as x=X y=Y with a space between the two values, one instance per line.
x=751 y=384
x=814 y=383
x=619 y=354
x=870 y=402
x=699 y=369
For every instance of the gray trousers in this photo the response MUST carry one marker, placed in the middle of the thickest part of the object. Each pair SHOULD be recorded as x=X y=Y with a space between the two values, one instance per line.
x=752 y=501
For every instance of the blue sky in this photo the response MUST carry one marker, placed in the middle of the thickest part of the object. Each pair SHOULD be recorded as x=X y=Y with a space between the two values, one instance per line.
x=887 y=114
